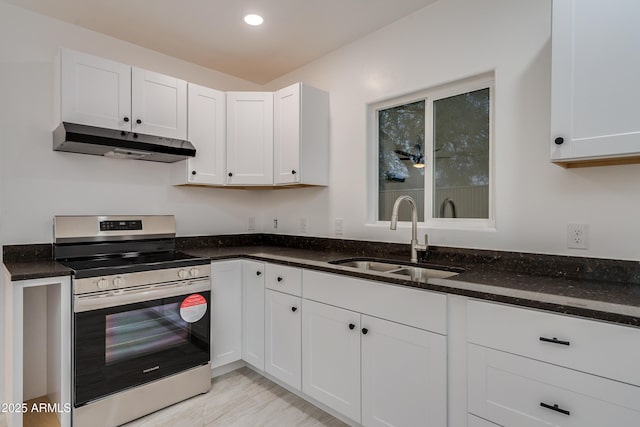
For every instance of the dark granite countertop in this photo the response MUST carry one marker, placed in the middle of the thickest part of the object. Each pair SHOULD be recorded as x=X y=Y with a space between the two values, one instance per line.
x=603 y=300
x=594 y=288
x=35 y=269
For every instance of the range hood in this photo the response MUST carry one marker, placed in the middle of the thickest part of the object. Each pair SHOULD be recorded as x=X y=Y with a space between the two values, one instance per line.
x=76 y=138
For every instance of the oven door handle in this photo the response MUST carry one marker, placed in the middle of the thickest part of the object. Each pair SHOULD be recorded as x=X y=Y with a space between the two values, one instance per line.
x=82 y=303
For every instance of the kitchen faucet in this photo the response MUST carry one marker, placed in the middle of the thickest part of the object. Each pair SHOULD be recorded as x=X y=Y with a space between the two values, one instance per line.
x=415 y=246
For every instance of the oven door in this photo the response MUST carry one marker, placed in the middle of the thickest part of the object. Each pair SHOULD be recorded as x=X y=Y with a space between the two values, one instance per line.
x=126 y=338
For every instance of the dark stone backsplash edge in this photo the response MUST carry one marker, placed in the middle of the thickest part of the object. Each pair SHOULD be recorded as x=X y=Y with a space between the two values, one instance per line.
x=20 y=253
x=598 y=269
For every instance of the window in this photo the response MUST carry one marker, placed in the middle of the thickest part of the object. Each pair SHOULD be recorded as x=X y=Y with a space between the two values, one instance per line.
x=436 y=146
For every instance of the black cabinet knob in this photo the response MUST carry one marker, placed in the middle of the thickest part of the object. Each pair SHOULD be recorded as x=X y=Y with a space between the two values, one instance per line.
x=559 y=140
x=294 y=309
x=135 y=135
x=351 y=326
x=126 y=119
x=365 y=331
x=293 y=172
x=230 y=174
x=193 y=172
x=258 y=273
x=139 y=121
x=279 y=279
x=123 y=133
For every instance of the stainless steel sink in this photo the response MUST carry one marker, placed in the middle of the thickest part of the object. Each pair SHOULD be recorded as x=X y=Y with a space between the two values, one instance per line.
x=412 y=271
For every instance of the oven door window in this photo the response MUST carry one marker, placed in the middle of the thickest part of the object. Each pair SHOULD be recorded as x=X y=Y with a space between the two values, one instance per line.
x=121 y=347
x=144 y=331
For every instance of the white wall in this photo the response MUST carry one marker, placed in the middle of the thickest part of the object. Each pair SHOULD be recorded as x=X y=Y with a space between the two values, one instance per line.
x=37 y=183
x=450 y=40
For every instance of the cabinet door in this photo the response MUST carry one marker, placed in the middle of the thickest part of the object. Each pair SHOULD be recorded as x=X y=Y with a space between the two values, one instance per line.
x=404 y=375
x=206 y=131
x=286 y=149
x=595 y=68
x=158 y=104
x=515 y=391
x=226 y=312
x=95 y=91
x=283 y=346
x=250 y=138
x=331 y=357
x=253 y=313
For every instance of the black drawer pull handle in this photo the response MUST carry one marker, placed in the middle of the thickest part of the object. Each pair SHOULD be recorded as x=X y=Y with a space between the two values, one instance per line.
x=258 y=273
x=555 y=408
x=294 y=309
x=279 y=279
x=351 y=326
x=555 y=340
x=365 y=331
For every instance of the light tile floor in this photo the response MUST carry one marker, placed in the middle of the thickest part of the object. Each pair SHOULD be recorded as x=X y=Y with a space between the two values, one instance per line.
x=241 y=398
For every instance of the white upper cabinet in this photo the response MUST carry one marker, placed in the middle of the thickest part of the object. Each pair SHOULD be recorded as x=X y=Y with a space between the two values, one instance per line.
x=94 y=91
x=249 y=138
x=595 y=89
x=206 y=126
x=301 y=136
x=97 y=92
x=158 y=104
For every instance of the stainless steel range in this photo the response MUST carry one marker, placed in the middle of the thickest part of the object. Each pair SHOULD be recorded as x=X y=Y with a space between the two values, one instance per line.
x=141 y=317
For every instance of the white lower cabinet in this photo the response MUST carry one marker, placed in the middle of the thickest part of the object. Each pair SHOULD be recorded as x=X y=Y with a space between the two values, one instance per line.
x=226 y=312
x=283 y=345
x=516 y=391
x=374 y=371
x=331 y=357
x=404 y=375
x=253 y=313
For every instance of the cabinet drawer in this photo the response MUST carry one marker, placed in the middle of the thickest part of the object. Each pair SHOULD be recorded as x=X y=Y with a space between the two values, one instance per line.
x=409 y=306
x=284 y=279
x=604 y=349
x=516 y=391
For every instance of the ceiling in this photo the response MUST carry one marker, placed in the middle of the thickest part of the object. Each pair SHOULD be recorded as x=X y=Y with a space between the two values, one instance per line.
x=212 y=33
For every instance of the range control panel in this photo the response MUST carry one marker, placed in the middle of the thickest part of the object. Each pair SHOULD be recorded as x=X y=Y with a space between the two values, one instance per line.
x=120 y=225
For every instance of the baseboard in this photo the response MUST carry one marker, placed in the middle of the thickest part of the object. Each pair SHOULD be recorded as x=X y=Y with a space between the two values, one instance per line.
x=229 y=367
x=305 y=397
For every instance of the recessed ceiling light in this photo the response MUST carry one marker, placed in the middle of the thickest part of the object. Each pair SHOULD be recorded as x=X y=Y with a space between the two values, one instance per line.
x=253 y=19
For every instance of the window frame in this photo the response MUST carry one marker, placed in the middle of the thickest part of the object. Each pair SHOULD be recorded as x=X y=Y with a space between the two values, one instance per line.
x=485 y=81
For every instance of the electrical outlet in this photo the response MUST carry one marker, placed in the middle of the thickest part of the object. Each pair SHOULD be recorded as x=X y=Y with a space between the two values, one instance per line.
x=251 y=225
x=304 y=225
x=275 y=223
x=338 y=227
x=577 y=236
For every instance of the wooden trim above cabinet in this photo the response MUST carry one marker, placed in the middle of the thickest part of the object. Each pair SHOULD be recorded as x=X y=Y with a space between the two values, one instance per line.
x=252 y=187
x=584 y=163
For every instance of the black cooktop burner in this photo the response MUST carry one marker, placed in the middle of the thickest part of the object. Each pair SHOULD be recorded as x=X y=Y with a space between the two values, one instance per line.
x=130 y=263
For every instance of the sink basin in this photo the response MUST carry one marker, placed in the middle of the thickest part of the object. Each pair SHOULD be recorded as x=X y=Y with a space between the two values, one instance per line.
x=412 y=271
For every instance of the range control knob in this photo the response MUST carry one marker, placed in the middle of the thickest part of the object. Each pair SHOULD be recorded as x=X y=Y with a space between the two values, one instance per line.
x=194 y=272
x=118 y=282
x=182 y=273
x=102 y=283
